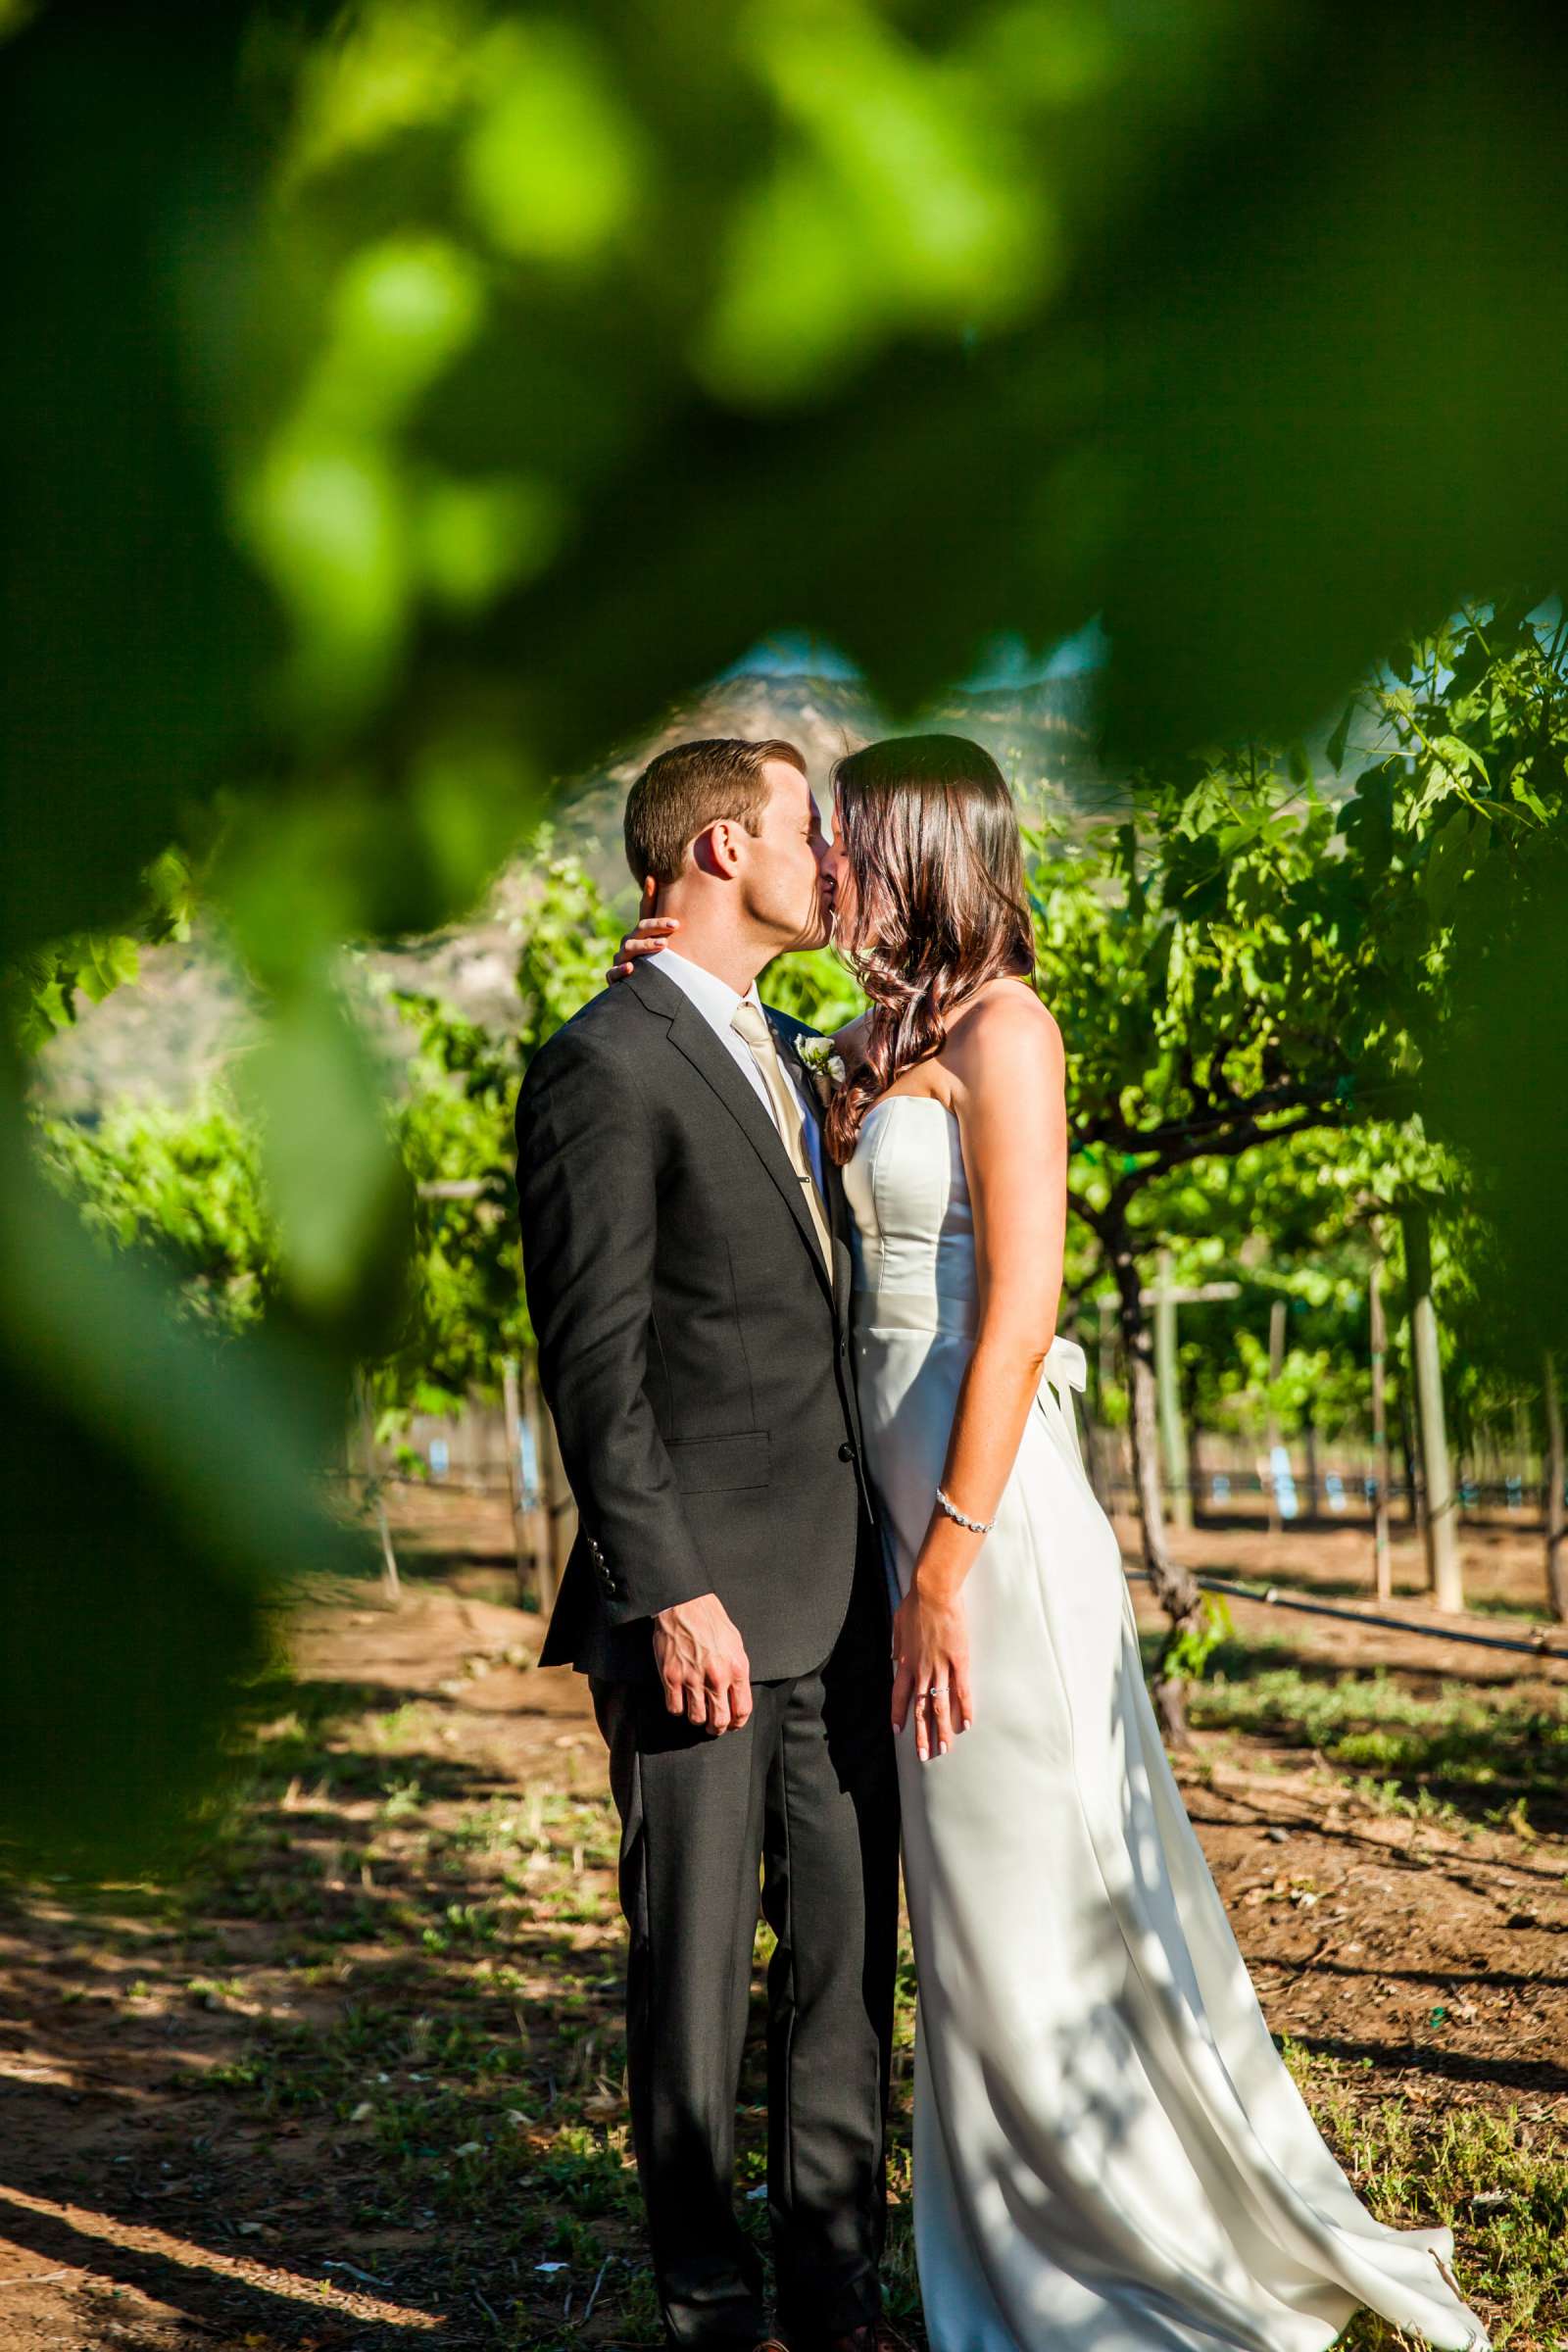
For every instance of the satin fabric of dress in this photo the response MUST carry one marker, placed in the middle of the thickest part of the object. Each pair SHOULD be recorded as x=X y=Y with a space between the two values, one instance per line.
x=1109 y=2153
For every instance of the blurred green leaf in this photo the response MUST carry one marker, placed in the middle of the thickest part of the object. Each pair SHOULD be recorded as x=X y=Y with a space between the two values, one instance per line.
x=475 y=538
x=900 y=201
x=554 y=166
x=159 y=1502
x=401 y=311
x=330 y=524
x=330 y=1172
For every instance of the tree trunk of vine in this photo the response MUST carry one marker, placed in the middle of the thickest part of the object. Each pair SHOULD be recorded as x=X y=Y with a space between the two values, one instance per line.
x=1174 y=1586
x=1168 y=1391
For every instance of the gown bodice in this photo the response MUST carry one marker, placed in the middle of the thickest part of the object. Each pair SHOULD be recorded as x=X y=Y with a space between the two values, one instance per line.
x=914 y=1239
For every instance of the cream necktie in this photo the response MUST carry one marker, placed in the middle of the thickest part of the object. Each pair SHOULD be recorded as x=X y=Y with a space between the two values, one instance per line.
x=750 y=1024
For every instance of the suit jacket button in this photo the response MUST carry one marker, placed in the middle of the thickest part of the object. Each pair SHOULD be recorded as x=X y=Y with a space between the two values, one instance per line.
x=846 y=1452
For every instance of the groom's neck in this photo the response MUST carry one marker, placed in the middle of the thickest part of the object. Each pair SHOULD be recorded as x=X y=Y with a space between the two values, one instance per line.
x=709 y=937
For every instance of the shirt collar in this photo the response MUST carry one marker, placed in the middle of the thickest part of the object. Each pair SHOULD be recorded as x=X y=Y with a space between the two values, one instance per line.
x=712 y=997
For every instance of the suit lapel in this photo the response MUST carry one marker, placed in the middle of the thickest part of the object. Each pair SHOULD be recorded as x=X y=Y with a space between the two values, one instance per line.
x=833 y=1195
x=692 y=1037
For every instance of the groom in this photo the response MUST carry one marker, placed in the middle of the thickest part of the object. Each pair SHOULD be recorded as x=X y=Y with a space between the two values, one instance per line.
x=688 y=1277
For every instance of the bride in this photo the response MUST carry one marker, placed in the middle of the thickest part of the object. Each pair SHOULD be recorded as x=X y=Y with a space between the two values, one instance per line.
x=1109 y=2154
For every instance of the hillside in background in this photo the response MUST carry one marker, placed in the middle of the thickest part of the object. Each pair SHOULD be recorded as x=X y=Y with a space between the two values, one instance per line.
x=1040 y=737
x=164 y=1038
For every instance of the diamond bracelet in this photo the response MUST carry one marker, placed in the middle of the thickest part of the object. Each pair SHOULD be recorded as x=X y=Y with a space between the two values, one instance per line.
x=977 y=1527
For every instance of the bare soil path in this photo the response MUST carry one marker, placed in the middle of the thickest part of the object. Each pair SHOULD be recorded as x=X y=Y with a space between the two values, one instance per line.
x=358 y=2084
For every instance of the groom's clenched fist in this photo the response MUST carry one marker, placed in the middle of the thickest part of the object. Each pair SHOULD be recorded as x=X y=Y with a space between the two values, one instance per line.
x=702 y=1664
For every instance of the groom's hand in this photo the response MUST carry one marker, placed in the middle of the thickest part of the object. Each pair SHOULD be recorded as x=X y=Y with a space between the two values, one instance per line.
x=702 y=1664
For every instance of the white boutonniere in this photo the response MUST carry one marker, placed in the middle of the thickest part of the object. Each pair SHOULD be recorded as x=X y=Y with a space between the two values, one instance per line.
x=821 y=1065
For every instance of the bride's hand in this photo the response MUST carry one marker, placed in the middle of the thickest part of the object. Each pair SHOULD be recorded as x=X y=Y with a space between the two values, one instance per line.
x=931 y=1670
x=648 y=934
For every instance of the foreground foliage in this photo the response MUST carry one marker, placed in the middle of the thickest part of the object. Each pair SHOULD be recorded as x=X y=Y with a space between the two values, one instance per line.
x=410 y=401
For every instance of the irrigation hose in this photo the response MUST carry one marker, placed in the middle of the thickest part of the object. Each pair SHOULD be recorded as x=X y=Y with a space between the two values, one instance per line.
x=1272 y=1598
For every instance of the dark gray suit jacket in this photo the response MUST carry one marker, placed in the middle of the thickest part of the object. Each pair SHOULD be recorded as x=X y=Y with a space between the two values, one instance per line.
x=693 y=1346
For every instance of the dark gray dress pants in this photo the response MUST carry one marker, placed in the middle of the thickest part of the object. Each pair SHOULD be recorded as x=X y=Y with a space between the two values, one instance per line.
x=804 y=1795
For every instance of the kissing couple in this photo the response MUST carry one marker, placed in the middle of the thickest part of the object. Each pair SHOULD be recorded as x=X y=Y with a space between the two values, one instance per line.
x=839 y=1565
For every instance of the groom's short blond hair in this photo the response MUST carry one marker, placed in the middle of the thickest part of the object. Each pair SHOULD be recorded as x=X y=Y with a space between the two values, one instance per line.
x=690 y=787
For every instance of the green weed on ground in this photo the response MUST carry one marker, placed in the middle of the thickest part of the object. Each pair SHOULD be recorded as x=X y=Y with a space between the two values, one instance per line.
x=1482 y=1751
x=1498 y=2182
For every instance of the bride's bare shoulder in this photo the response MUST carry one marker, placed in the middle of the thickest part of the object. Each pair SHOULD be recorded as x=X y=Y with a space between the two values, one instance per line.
x=1006 y=1049
x=1007 y=1064
x=1006 y=1018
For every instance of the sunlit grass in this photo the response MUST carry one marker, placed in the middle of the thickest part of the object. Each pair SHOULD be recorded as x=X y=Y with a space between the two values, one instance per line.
x=1498 y=2182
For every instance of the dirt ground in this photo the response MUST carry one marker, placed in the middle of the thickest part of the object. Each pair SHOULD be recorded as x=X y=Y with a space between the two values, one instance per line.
x=358 y=2084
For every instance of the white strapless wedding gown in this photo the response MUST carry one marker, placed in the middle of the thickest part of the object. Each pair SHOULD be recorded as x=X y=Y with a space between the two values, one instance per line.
x=1109 y=2154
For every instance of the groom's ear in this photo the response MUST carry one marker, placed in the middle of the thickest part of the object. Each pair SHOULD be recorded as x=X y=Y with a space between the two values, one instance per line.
x=716 y=849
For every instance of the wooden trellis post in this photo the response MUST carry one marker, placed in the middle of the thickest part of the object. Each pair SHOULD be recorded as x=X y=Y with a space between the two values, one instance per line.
x=1165 y=1297
x=1556 y=1514
x=1271 y=1434
x=522 y=1548
x=391 y=1581
x=1382 y=1553
x=1443 y=1571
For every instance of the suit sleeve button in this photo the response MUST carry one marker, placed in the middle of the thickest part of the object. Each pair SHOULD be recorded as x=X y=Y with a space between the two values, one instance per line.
x=846 y=1452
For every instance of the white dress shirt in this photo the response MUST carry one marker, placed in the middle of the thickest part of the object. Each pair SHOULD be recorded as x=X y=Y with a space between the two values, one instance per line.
x=716 y=1001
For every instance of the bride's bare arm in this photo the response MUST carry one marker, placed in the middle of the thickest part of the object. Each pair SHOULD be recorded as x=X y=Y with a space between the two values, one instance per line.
x=850 y=1041
x=1004 y=1061
x=649 y=932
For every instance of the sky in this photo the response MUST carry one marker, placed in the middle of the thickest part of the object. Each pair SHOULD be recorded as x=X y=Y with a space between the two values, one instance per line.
x=1007 y=661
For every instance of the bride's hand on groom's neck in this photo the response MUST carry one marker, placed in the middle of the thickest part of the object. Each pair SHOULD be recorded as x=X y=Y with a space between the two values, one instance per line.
x=649 y=932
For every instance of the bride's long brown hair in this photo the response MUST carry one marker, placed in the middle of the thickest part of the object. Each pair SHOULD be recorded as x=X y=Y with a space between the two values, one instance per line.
x=931 y=835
